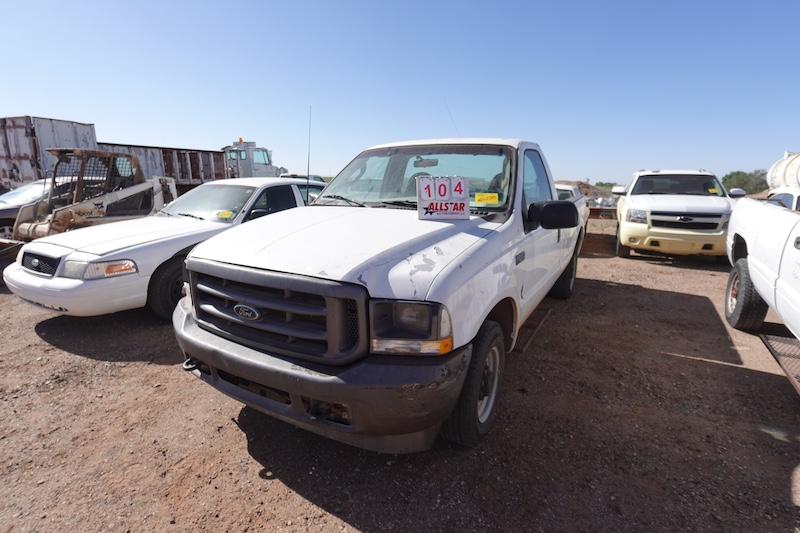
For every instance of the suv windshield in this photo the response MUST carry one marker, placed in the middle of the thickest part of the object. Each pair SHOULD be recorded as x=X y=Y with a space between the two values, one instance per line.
x=691 y=184
x=25 y=194
x=387 y=177
x=219 y=203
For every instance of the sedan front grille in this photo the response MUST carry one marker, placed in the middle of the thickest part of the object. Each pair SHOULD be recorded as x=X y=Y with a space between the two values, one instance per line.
x=280 y=314
x=40 y=263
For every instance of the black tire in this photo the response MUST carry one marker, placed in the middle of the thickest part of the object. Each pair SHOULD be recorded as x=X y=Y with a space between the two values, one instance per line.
x=744 y=307
x=464 y=426
x=7 y=228
x=165 y=286
x=565 y=284
x=622 y=250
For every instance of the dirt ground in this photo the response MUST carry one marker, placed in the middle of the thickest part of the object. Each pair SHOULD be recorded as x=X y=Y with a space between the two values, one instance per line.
x=635 y=408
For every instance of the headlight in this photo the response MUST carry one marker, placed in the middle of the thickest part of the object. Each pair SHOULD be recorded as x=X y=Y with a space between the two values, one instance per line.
x=636 y=215
x=417 y=328
x=103 y=269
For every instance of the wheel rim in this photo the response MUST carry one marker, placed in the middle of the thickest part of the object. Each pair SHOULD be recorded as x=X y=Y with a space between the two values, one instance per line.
x=6 y=232
x=733 y=292
x=490 y=377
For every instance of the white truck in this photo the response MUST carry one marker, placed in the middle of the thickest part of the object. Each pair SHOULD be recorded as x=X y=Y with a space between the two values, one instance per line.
x=136 y=263
x=573 y=194
x=763 y=246
x=359 y=319
x=673 y=212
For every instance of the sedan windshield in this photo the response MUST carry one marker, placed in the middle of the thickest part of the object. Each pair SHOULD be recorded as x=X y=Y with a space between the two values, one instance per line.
x=387 y=177
x=689 y=184
x=218 y=203
x=25 y=194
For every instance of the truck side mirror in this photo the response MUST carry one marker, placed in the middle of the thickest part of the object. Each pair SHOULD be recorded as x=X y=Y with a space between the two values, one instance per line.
x=736 y=192
x=619 y=190
x=556 y=214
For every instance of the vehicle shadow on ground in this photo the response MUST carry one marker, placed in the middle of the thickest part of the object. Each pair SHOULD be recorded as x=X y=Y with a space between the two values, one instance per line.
x=603 y=246
x=624 y=426
x=126 y=336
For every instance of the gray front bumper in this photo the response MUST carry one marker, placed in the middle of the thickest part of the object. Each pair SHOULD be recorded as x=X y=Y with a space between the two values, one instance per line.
x=396 y=404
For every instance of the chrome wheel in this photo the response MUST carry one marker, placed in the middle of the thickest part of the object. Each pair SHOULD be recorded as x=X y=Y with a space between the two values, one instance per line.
x=490 y=378
x=733 y=292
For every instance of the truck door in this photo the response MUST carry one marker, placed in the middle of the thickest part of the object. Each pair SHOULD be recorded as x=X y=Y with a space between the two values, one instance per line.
x=541 y=250
x=787 y=287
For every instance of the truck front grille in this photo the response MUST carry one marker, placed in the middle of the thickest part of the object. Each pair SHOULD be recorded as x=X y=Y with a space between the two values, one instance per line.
x=280 y=314
x=40 y=263
x=687 y=221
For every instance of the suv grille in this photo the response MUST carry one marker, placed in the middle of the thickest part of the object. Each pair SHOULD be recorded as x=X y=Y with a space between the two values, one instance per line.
x=280 y=314
x=688 y=221
x=40 y=263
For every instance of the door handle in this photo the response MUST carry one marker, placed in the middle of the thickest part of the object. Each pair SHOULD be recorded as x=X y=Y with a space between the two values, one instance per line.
x=797 y=243
x=520 y=257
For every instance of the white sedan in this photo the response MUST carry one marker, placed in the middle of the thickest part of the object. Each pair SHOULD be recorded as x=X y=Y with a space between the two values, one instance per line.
x=137 y=263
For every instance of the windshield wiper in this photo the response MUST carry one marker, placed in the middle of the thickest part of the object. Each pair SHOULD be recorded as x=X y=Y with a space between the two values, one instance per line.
x=190 y=215
x=408 y=204
x=340 y=197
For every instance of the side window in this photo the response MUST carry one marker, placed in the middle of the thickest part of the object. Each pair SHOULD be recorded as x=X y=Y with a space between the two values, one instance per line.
x=314 y=189
x=260 y=157
x=783 y=199
x=535 y=185
x=272 y=200
x=242 y=155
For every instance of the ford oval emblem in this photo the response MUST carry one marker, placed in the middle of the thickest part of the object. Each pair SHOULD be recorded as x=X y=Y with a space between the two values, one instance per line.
x=246 y=312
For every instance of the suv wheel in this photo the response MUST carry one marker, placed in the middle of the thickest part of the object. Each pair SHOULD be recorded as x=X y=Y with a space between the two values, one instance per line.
x=622 y=250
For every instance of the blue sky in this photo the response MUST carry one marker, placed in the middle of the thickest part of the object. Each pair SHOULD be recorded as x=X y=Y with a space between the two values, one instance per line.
x=604 y=87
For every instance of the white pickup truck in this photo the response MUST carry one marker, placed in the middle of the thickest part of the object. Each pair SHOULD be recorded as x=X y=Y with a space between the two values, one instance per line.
x=572 y=193
x=126 y=265
x=358 y=319
x=764 y=248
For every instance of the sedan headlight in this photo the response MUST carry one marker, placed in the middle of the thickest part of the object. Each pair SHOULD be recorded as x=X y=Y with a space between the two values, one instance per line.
x=103 y=269
x=637 y=215
x=411 y=328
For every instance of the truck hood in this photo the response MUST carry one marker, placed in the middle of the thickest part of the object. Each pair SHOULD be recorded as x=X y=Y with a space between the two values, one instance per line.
x=106 y=238
x=680 y=203
x=389 y=251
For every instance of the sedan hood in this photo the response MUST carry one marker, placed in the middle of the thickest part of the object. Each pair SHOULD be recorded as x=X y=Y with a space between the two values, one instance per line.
x=106 y=238
x=680 y=203
x=389 y=251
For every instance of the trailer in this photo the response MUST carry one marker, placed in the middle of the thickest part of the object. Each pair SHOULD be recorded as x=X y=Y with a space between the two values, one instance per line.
x=25 y=141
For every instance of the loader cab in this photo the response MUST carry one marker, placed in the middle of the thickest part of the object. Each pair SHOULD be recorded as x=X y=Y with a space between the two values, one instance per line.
x=80 y=175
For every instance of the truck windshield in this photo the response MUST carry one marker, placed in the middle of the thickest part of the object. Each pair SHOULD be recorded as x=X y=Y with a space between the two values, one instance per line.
x=689 y=184
x=25 y=194
x=387 y=177
x=219 y=203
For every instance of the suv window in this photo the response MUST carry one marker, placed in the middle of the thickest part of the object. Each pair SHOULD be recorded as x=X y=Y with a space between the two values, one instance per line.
x=535 y=185
x=272 y=200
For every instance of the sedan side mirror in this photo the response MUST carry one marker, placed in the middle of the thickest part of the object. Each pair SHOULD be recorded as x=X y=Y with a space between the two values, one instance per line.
x=736 y=192
x=619 y=190
x=557 y=214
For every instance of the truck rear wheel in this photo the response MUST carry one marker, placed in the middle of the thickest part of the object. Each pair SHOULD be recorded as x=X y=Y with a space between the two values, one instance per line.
x=744 y=307
x=564 y=286
x=476 y=409
x=622 y=250
x=165 y=287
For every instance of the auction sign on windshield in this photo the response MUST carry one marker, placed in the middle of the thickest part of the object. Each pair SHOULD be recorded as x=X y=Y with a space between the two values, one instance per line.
x=442 y=198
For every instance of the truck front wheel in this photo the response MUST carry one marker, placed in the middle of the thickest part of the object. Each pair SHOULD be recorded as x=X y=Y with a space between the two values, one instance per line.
x=476 y=409
x=744 y=307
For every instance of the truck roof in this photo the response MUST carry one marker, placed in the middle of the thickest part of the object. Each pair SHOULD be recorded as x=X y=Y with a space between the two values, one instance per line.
x=697 y=172
x=514 y=143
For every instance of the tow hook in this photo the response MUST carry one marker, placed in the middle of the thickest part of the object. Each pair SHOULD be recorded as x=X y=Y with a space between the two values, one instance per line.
x=191 y=364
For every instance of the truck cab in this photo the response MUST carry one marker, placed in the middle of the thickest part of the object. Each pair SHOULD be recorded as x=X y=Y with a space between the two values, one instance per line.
x=244 y=159
x=365 y=318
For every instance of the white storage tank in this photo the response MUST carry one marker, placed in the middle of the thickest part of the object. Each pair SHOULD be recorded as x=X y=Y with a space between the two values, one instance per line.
x=785 y=172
